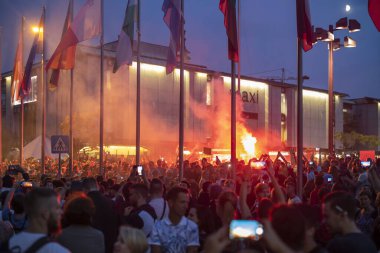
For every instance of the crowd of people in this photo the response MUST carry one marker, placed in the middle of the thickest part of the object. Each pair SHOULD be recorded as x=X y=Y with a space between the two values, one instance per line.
x=149 y=209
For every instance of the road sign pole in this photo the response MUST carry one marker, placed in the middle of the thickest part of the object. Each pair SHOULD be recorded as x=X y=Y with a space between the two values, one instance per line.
x=59 y=166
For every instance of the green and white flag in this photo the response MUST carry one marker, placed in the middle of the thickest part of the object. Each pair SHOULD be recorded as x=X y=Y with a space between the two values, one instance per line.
x=124 y=50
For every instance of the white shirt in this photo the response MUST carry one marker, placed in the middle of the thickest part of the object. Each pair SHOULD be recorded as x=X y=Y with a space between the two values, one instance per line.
x=174 y=238
x=24 y=240
x=158 y=206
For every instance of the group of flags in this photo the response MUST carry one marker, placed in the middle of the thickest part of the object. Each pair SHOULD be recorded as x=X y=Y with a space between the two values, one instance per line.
x=87 y=24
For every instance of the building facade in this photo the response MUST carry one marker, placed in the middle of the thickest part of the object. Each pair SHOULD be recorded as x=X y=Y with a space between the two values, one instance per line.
x=265 y=109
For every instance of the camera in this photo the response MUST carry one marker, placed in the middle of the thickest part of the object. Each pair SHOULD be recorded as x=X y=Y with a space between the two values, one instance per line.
x=246 y=229
x=139 y=170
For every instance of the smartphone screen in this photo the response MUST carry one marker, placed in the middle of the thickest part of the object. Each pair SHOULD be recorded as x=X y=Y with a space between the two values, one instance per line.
x=139 y=170
x=366 y=163
x=258 y=165
x=246 y=229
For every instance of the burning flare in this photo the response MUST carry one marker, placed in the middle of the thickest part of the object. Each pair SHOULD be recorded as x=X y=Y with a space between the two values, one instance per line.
x=249 y=143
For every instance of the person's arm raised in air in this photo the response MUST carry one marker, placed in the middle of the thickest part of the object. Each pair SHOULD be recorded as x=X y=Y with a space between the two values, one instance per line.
x=244 y=208
x=277 y=188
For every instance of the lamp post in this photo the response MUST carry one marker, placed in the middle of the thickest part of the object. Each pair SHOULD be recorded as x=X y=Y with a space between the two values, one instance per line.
x=333 y=45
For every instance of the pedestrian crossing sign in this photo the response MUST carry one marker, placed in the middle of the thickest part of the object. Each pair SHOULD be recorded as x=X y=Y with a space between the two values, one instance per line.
x=60 y=144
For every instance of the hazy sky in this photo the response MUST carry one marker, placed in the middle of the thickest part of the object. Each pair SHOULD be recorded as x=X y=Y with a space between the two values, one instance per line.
x=268 y=37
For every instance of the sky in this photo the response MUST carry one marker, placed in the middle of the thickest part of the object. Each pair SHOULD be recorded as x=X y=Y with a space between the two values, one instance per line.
x=268 y=37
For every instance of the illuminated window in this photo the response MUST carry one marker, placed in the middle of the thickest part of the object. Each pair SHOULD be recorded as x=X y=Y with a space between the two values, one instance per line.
x=284 y=113
x=32 y=96
x=208 y=93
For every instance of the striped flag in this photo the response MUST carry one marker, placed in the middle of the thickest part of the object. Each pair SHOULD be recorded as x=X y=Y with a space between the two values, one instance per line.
x=124 y=50
x=172 y=18
x=86 y=25
x=228 y=8
x=304 y=31
x=17 y=71
x=374 y=12
x=66 y=58
x=25 y=84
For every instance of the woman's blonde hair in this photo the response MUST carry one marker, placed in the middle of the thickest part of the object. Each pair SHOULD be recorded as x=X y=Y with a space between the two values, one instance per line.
x=134 y=238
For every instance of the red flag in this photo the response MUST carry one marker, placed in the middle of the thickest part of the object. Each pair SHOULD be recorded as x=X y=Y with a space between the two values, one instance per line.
x=374 y=12
x=17 y=71
x=304 y=31
x=228 y=8
x=66 y=58
x=86 y=25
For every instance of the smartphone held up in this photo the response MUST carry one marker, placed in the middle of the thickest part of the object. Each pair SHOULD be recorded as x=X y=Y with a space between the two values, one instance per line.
x=246 y=229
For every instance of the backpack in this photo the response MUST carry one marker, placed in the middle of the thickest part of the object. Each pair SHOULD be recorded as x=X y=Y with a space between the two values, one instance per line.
x=4 y=248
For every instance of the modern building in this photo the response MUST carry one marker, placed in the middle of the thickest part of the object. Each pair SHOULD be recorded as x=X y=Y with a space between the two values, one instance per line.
x=265 y=109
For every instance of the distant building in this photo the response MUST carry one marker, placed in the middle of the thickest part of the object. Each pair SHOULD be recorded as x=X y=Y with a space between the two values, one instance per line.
x=362 y=115
x=266 y=108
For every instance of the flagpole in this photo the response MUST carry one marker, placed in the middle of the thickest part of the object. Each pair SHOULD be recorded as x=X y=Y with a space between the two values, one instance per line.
x=101 y=170
x=44 y=95
x=71 y=149
x=299 y=119
x=239 y=63
x=181 y=95
x=1 y=109
x=138 y=86
x=22 y=101
x=233 y=120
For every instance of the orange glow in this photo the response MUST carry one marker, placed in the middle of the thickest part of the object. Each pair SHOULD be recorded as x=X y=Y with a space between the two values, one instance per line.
x=248 y=141
x=37 y=29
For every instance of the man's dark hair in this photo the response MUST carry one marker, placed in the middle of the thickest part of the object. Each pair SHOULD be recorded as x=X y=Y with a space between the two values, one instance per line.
x=18 y=203
x=141 y=189
x=289 y=224
x=186 y=183
x=34 y=200
x=99 y=178
x=79 y=210
x=8 y=181
x=311 y=214
x=58 y=183
x=366 y=193
x=265 y=207
x=206 y=185
x=156 y=186
x=89 y=183
x=341 y=202
x=319 y=180
x=175 y=191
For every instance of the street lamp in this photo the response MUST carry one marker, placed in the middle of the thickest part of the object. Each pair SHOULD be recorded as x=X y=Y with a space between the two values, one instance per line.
x=334 y=44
